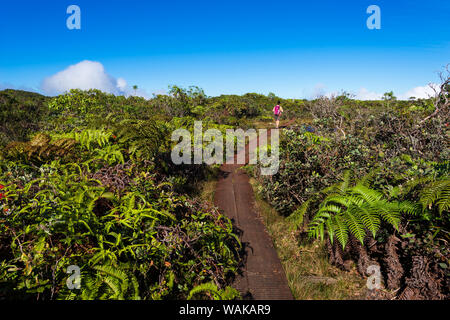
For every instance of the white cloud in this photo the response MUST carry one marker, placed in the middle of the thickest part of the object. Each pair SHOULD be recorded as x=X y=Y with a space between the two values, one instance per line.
x=84 y=75
x=122 y=84
x=364 y=94
x=87 y=75
x=424 y=92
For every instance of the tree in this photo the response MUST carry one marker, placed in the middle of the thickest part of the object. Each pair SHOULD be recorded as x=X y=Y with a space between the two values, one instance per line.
x=441 y=99
x=135 y=87
x=389 y=96
x=272 y=96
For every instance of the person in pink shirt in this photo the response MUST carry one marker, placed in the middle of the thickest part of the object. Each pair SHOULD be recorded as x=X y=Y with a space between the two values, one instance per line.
x=277 y=110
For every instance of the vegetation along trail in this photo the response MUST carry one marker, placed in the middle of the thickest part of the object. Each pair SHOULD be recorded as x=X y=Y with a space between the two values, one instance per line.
x=262 y=276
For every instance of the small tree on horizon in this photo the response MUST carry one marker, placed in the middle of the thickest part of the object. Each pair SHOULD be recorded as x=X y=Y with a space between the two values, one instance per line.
x=389 y=96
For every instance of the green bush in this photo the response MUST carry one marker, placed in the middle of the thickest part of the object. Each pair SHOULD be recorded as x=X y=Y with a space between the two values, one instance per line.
x=142 y=241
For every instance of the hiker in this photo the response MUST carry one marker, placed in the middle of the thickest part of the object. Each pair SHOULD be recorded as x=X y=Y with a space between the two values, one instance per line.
x=277 y=110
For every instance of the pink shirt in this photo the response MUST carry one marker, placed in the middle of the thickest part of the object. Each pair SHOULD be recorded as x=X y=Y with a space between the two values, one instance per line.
x=276 y=109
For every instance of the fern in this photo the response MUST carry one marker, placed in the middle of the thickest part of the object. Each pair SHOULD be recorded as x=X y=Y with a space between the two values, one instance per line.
x=296 y=218
x=111 y=154
x=356 y=210
x=205 y=287
x=144 y=138
x=40 y=149
x=436 y=193
x=228 y=293
x=369 y=218
x=88 y=138
x=340 y=229
x=109 y=282
x=354 y=223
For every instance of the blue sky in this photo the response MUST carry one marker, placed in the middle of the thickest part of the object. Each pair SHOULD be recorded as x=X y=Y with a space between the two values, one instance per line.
x=295 y=49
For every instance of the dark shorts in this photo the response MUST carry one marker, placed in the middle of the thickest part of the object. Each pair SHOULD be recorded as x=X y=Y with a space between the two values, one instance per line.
x=276 y=116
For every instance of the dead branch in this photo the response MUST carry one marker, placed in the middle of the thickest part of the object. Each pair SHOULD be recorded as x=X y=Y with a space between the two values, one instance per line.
x=441 y=94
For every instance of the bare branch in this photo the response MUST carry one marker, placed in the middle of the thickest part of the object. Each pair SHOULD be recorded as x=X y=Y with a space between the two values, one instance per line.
x=441 y=97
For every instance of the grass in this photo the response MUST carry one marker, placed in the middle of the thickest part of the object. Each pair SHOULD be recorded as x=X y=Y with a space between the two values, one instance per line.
x=309 y=274
x=207 y=188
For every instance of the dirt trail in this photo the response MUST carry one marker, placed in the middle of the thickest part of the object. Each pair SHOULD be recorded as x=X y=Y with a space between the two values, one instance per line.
x=262 y=276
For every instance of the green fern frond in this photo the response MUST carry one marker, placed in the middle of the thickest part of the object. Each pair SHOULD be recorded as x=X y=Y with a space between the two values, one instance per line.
x=343 y=186
x=135 y=286
x=143 y=138
x=356 y=210
x=369 y=218
x=444 y=202
x=436 y=193
x=230 y=293
x=296 y=218
x=388 y=212
x=328 y=208
x=408 y=207
x=330 y=228
x=354 y=223
x=340 y=229
x=413 y=183
x=369 y=195
x=109 y=282
x=114 y=285
x=205 y=287
x=337 y=199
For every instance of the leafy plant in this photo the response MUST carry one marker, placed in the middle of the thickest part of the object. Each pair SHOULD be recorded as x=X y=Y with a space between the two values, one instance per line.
x=144 y=139
x=40 y=149
x=353 y=210
x=228 y=293
x=107 y=282
x=436 y=193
